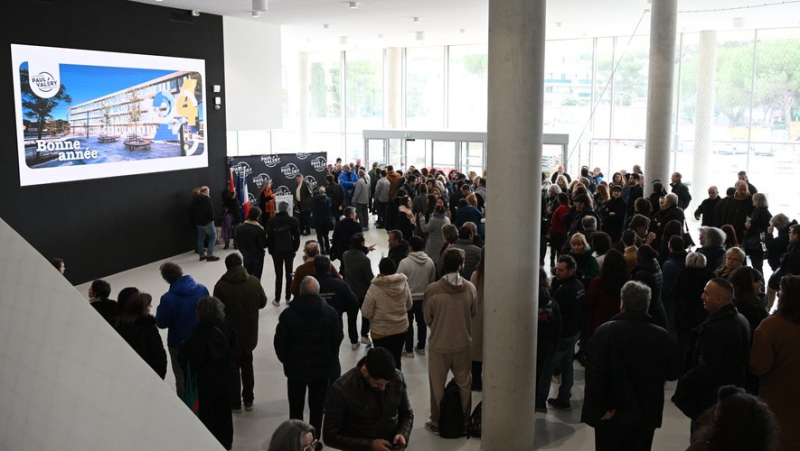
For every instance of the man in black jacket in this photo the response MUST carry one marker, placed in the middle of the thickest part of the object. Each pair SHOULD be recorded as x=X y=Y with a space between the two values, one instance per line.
x=251 y=239
x=569 y=293
x=339 y=296
x=628 y=360
x=707 y=207
x=720 y=352
x=358 y=276
x=684 y=198
x=283 y=240
x=368 y=407
x=201 y=212
x=343 y=233
x=307 y=343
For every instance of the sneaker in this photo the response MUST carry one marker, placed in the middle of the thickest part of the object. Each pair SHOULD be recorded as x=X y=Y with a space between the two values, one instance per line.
x=237 y=410
x=366 y=341
x=560 y=405
x=541 y=408
x=409 y=354
x=432 y=427
x=212 y=258
x=355 y=346
x=420 y=351
x=276 y=302
x=248 y=406
x=203 y=257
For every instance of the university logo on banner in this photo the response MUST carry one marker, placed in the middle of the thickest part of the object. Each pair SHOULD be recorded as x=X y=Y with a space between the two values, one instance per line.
x=282 y=191
x=302 y=155
x=320 y=164
x=251 y=199
x=261 y=179
x=271 y=161
x=290 y=170
x=242 y=169
x=312 y=182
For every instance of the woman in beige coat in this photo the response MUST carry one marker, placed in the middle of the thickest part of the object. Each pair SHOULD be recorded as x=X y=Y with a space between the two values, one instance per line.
x=775 y=359
x=386 y=305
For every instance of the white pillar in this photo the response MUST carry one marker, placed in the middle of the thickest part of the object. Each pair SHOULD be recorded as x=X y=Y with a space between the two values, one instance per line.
x=663 y=26
x=393 y=88
x=704 y=115
x=515 y=126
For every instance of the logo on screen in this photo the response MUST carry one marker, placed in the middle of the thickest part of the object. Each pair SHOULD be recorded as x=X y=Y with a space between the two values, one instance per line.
x=242 y=169
x=319 y=164
x=251 y=199
x=290 y=170
x=271 y=160
x=45 y=81
x=301 y=155
x=282 y=191
x=312 y=182
x=261 y=179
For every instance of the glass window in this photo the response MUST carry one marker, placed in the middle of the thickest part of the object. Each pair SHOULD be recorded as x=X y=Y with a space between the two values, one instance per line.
x=444 y=155
x=416 y=153
x=364 y=71
x=325 y=107
x=425 y=88
x=467 y=87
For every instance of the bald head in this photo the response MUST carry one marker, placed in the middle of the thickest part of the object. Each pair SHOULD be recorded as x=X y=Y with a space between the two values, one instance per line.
x=717 y=294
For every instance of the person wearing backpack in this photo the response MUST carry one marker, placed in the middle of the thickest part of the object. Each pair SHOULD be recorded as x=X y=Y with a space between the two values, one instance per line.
x=283 y=240
x=449 y=306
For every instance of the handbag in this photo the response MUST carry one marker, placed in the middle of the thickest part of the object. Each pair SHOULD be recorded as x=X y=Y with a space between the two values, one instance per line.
x=752 y=243
x=191 y=395
x=687 y=237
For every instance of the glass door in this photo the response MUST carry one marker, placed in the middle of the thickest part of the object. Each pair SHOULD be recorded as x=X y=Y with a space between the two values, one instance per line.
x=444 y=155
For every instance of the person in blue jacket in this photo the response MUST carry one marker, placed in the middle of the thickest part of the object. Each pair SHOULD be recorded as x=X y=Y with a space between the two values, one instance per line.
x=176 y=312
x=347 y=180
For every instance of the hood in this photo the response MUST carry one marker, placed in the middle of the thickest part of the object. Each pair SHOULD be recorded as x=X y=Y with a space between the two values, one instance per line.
x=236 y=275
x=392 y=285
x=184 y=286
x=450 y=287
x=307 y=305
x=418 y=257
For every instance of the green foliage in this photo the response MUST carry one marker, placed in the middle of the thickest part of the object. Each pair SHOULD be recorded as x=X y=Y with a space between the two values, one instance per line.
x=477 y=64
x=364 y=88
x=40 y=109
x=318 y=91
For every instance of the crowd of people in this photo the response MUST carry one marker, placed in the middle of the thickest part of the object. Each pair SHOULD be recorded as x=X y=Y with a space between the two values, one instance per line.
x=631 y=298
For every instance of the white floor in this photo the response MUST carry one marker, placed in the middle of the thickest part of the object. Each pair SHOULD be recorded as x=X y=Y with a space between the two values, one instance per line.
x=252 y=430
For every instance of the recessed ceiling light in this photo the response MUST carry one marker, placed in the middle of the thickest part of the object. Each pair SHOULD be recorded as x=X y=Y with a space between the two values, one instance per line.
x=380 y=36
x=352 y=5
x=420 y=35
x=462 y=31
x=255 y=14
x=260 y=5
x=325 y=26
x=159 y=1
x=558 y=24
x=415 y=19
x=343 y=40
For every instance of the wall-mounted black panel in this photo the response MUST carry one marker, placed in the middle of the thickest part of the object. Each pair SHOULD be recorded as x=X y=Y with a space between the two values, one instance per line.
x=107 y=225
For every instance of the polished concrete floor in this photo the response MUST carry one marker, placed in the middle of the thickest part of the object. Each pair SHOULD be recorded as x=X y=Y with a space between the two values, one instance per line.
x=555 y=429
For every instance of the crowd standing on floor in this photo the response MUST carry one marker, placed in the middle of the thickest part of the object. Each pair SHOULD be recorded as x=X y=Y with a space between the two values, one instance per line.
x=632 y=298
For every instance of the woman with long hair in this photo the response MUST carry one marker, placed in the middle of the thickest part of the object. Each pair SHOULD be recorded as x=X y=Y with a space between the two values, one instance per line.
x=603 y=295
x=601 y=197
x=558 y=226
x=671 y=228
x=756 y=230
x=266 y=202
x=582 y=253
x=231 y=216
x=775 y=359
x=731 y=240
x=294 y=435
x=687 y=292
x=751 y=302
x=406 y=222
x=138 y=328
x=432 y=228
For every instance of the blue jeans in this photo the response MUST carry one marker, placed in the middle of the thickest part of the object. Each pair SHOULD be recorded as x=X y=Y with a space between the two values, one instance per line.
x=209 y=230
x=562 y=358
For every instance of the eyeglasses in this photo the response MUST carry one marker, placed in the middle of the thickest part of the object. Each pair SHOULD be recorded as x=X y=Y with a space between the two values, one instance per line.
x=312 y=447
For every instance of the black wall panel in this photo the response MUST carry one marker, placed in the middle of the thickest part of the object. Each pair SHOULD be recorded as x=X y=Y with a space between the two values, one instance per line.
x=104 y=226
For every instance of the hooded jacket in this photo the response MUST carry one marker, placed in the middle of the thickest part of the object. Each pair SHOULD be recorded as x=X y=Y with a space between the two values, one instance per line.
x=176 y=309
x=420 y=271
x=242 y=295
x=449 y=307
x=386 y=305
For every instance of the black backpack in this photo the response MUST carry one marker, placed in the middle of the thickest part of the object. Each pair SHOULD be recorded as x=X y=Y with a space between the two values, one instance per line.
x=474 y=428
x=282 y=236
x=451 y=417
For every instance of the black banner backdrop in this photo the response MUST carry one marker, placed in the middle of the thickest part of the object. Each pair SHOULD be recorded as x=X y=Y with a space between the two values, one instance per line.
x=281 y=169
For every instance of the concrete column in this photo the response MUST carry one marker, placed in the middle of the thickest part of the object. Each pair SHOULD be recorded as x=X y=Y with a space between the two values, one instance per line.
x=704 y=115
x=515 y=126
x=393 y=87
x=663 y=25
x=304 y=85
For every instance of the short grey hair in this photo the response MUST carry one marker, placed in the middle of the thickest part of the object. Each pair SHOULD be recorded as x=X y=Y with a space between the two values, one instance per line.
x=714 y=237
x=589 y=222
x=283 y=206
x=289 y=435
x=635 y=296
x=309 y=285
x=739 y=253
x=695 y=260
x=760 y=200
x=209 y=310
x=553 y=189
x=349 y=211
x=779 y=221
x=671 y=198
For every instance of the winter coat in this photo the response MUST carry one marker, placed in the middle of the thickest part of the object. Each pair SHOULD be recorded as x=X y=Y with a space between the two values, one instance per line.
x=613 y=223
x=433 y=230
x=283 y=219
x=356 y=413
x=470 y=214
x=449 y=307
x=715 y=256
x=307 y=339
x=649 y=273
x=209 y=354
x=602 y=302
x=304 y=204
x=706 y=210
x=347 y=180
x=357 y=269
x=382 y=188
x=736 y=212
x=472 y=256
x=201 y=210
x=251 y=239
x=143 y=336
x=386 y=305
x=719 y=358
x=754 y=308
x=776 y=246
x=669 y=272
x=628 y=360
x=107 y=308
x=775 y=359
x=232 y=206
x=549 y=326
x=243 y=296
x=682 y=191
x=398 y=253
x=759 y=222
x=321 y=208
x=689 y=285
x=361 y=192
x=394 y=183
x=587 y=266
x=307 y=269
x=570 y=296
x=337 y=294
x=420 y=271
x=342 y=235
x=176 y=310
x=790 y=265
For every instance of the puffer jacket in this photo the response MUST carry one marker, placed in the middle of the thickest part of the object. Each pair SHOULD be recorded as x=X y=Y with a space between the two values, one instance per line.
x=356 y=413
x=176 y=310
x=387 y=303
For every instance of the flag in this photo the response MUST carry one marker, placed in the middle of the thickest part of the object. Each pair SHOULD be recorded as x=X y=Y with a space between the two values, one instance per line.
x=230 y=180
x=244 y=196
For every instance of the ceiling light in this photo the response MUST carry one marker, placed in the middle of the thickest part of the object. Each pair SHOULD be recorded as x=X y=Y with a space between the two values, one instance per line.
x=420 y=35
x=462 y=31
x=415 y=19
x=159 y=1
x=558 y=24
x=380 y=36
x=325 y=26
x=260 y=5
x=343 y=40
x=352 y=5
x=255 y=14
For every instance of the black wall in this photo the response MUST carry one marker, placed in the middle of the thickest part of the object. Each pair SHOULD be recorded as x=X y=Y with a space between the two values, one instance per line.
x=104 y=226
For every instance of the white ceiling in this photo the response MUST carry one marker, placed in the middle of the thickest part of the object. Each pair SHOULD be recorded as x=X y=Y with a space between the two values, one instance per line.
x=386 y=23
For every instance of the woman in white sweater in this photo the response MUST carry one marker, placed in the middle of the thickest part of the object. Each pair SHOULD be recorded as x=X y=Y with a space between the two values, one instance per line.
x=386 y=305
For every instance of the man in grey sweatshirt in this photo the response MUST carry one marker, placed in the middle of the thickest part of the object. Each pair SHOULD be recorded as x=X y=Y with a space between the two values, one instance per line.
x=421 y=272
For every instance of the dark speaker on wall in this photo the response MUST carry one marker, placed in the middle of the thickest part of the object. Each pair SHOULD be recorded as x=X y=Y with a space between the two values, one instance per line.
x=182 y=16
